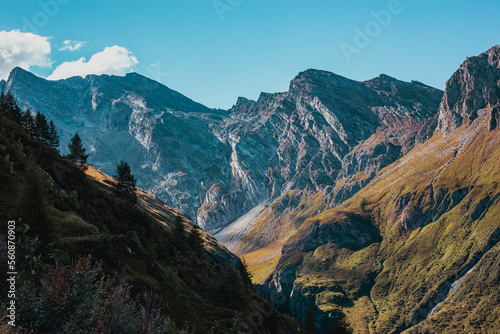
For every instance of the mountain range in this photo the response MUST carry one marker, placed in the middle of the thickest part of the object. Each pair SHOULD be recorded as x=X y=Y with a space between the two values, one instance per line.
x=373 y=199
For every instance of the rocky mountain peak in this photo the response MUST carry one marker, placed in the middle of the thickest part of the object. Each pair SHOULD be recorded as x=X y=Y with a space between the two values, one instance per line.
x=20 y=71
x=385 y=83
x=475 y=86
x=265 y=104
x=243 y=105
x=311 y=81
x=384 y=77
x=19 y=74
x=243 y=101
x=494 y=55
x=405 y=94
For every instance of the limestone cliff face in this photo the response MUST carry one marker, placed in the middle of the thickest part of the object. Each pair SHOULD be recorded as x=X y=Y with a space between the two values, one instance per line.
x=308 y=138
x=475 y=86
x=327 y=134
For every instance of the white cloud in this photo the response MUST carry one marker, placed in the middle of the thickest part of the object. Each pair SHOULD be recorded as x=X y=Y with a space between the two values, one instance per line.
x=113 y=60
x=72 y=46
x=23 y=50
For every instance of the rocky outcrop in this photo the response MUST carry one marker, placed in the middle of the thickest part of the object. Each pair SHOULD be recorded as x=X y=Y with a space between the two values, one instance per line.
x=219 y=206
x=475 y=86
x=411 y=211
x=494 y=121
x=346 y=231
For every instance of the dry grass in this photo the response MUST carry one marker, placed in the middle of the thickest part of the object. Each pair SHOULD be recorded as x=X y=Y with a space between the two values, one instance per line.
x=262 y=263
x=415 y=262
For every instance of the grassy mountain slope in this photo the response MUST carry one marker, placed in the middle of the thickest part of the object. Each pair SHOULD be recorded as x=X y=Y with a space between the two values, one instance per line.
x=165 y=215
x=393 y=251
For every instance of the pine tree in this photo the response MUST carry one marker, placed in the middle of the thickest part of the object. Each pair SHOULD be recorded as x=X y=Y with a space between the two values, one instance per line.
x=178 y=234
x=11 y=108
x=53 y=136
x=33 y=206
x=245 y=274
x=195 y=240
x=125 y=181
x=179 y=226
x=77 y=152
x=3 y=103
x=41 y=128
x=36 y=124
x=28 y=122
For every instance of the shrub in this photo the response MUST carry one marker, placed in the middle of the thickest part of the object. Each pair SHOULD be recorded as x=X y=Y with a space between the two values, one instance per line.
x=79 y=299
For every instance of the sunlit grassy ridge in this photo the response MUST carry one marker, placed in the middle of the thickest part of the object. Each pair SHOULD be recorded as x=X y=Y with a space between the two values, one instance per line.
x=263 y=262
x=164 y=214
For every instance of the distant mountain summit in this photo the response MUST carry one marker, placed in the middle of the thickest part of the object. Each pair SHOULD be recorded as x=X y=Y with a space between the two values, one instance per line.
x=326 y=135
x=473 y=87
x=159 y=131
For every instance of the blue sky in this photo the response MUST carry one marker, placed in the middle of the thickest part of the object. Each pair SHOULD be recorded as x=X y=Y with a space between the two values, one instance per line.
x=216 y=50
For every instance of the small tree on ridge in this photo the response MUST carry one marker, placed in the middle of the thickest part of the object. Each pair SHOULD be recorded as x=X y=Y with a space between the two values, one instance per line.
x=125 y=181
x=77 y=153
